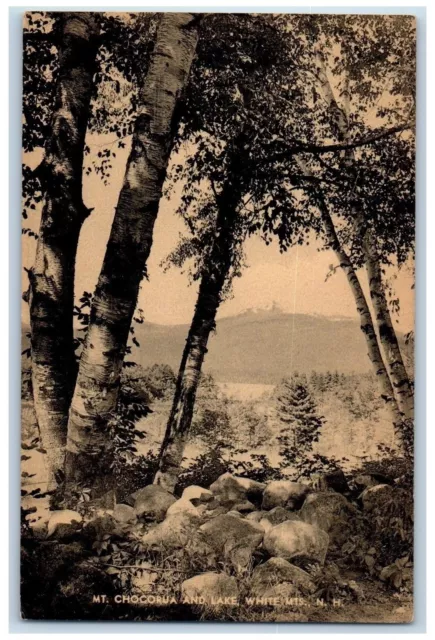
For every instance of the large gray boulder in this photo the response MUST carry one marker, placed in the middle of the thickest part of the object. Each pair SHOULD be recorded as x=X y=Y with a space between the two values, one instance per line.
x=331 y=512
x=211 y=589
x=231 y=490
x=278 y=571
x=284 y=493
x=152 y=502
x=234 y=537
x=297 y=539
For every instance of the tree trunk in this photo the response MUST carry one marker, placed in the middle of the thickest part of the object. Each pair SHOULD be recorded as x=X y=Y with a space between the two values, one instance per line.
x=398 y=374
x=203 y=322
x=366 y=322
x=129 y=245
x=51 y=280
x=180 y=420
x=401 y=386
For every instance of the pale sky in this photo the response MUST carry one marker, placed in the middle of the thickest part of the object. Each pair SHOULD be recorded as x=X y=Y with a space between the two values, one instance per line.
x=295 y=281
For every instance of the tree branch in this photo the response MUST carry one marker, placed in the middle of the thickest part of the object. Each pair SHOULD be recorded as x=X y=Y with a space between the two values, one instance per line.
x=305 y=147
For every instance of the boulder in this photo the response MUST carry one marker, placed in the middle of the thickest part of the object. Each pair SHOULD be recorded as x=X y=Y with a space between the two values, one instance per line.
x=278 y=571
x=213 y=589
x=376 y=496
x=279 y=514
x=364 y=480
x=197 y=495
x=269 y=519
x=183 y=506
x=124 y=514
x=152 y=502
x=233 y=536
x=173 y=533
x=284 y=493
x=63 y=524
x=332 y=481
x=244 y=507
x=331 y=512
x=231 y=489
x=297 y=539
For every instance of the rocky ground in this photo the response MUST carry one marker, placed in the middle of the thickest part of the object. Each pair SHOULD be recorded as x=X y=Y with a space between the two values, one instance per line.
x=238 y=550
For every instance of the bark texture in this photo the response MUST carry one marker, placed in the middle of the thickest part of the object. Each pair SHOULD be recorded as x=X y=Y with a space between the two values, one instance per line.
x=399 y=379
x=51 y=280
x=398 y=374
x=203 y=322
x=366 y=322
x=129 y=245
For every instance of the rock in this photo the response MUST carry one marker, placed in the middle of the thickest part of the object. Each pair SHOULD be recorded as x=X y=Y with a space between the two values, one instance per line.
x=279 y=514
x=277 y=571
x=64 y=523
x=244 y=507
x=124 y=514
x=376 y=496
x=152 y=502
x=237 y=514
x=334 y=480
x=364 y=480
x=174 y=532
x=331 y=512
x=268 y=519
x=234 y=536
x=213 y=513
x=297 y=539
x=211 y=588
x=232 y=489
x=197 y=495
x=284 y=493
x=183 y=506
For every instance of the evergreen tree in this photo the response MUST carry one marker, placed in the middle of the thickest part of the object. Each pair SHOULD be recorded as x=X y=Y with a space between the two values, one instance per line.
x=301 y=422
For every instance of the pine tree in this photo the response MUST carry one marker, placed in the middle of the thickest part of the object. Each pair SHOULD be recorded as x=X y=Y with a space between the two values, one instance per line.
x=297 y=411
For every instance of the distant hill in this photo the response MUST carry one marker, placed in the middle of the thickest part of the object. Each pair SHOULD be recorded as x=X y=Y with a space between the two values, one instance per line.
x=262 y=346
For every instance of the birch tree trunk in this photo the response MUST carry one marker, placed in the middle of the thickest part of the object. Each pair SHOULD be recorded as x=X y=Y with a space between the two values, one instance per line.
x=129 y=245
x=203 y=322
x=180 y=420
x=366 y=322
x=51 y=280
x=398 y=374
x=396 y=369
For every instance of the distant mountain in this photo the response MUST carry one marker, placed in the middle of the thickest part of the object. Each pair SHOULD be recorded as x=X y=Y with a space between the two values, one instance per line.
x=261 y=346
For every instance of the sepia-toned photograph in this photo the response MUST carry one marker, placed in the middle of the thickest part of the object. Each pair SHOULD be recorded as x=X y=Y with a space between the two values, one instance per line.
x=217 y=317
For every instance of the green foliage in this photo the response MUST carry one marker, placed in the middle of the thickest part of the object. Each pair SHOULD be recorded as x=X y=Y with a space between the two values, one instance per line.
x=302 y=425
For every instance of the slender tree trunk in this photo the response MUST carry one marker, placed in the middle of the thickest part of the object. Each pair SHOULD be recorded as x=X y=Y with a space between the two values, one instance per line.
x=129 y=245
x=180 y=420
x=366 y=322
x=398 y=374
x=396 y=369
x=203 y=322
x=51 y=290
